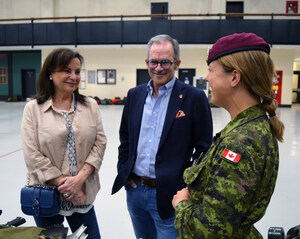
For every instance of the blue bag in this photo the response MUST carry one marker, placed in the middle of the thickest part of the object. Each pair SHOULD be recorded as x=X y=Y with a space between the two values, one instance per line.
x=40 y=201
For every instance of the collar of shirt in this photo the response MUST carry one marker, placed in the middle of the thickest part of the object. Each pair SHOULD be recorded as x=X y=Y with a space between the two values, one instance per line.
x=167 y=87
x=247 y=115
x=49 y=104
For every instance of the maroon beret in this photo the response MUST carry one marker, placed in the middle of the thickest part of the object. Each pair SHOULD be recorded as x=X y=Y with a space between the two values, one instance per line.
x=236 y=42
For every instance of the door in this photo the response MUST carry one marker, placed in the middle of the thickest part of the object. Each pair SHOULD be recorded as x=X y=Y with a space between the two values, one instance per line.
x=159 y=8
x=234 y=7
x=277 y=86
x=296 y=87
x=28 y=83
x=187 y=75
x=142 y=76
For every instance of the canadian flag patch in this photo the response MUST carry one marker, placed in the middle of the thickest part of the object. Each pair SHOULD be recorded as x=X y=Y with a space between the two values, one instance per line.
x=232 y=156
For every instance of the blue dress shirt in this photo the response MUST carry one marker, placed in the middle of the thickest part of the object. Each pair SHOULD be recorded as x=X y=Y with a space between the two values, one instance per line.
x=152 y=124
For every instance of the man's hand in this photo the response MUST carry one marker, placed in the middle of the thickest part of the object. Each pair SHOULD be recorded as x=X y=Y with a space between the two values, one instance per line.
x=131 y=183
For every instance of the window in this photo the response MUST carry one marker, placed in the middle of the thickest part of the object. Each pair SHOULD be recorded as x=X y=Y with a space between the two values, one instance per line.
x=3 y=75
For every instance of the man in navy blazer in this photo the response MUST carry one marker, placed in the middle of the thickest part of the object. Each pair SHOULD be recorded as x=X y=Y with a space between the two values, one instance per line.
x=165 y=125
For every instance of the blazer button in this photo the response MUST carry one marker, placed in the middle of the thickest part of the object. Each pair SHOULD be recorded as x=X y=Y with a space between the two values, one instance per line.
x=80 y=161
x=80 y=143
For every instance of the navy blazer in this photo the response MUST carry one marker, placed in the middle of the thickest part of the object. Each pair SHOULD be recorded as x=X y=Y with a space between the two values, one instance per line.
x=182 y=140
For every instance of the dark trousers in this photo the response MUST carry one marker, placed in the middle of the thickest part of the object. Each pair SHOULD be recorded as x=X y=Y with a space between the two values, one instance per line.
x=75 y=221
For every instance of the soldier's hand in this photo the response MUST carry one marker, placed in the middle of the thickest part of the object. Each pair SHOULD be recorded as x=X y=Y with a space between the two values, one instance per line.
x=183 y=194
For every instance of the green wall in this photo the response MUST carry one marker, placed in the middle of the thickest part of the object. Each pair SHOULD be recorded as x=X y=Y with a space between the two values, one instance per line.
x=22 y=61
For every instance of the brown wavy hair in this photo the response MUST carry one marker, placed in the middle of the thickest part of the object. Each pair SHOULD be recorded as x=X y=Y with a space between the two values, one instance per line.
x=257 y=73
x=57 y=60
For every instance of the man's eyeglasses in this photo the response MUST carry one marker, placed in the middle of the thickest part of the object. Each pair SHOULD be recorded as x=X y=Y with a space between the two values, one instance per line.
x=165 y=64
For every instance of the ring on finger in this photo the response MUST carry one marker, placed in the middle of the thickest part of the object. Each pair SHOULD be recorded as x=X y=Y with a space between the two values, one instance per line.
x=66 y=195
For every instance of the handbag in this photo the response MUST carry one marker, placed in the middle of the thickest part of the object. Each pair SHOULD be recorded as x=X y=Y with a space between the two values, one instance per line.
x=40 y=201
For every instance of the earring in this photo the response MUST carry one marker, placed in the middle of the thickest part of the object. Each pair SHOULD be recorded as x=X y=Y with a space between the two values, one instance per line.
x=50 y=78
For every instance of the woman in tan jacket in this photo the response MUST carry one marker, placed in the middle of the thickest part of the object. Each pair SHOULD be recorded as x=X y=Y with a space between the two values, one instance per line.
x=64 y=142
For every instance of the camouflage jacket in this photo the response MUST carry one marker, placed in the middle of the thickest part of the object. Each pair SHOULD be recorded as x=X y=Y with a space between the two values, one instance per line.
x=232 y=184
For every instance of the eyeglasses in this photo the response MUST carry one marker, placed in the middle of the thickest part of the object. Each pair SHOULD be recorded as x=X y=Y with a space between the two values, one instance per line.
x=165 y=64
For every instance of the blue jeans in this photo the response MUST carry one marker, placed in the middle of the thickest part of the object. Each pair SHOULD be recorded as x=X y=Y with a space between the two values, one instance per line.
x=75 y=221
x=142 y=207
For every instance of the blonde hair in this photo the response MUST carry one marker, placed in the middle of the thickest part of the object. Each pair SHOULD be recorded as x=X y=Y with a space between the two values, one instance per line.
x=257 y=73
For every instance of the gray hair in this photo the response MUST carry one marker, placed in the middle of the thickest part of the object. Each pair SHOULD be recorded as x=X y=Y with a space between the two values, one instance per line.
x=164 y=38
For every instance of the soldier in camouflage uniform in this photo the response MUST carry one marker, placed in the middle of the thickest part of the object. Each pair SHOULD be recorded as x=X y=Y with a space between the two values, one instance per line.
x=230 y=187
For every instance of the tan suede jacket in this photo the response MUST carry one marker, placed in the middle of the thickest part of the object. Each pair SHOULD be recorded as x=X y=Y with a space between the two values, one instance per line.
x=44 y=136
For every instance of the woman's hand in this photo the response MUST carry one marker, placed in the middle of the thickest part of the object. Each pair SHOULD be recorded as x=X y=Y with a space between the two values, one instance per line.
x=70 y=185
x=55 y=181
x=71 y=188
x=183 y=194
x=79 y=199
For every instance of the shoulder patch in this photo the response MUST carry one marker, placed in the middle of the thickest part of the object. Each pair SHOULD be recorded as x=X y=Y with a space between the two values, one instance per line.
x=232 y=156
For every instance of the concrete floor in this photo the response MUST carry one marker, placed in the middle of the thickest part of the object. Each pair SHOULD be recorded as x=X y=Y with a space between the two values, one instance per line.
x=113 y=218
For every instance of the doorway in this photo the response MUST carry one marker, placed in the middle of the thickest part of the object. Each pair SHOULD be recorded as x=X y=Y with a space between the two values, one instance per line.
x=296 y=87
x=159 y=8
x=142 y=76
x=234 y=7
x=28 y=83
x=187 y=75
